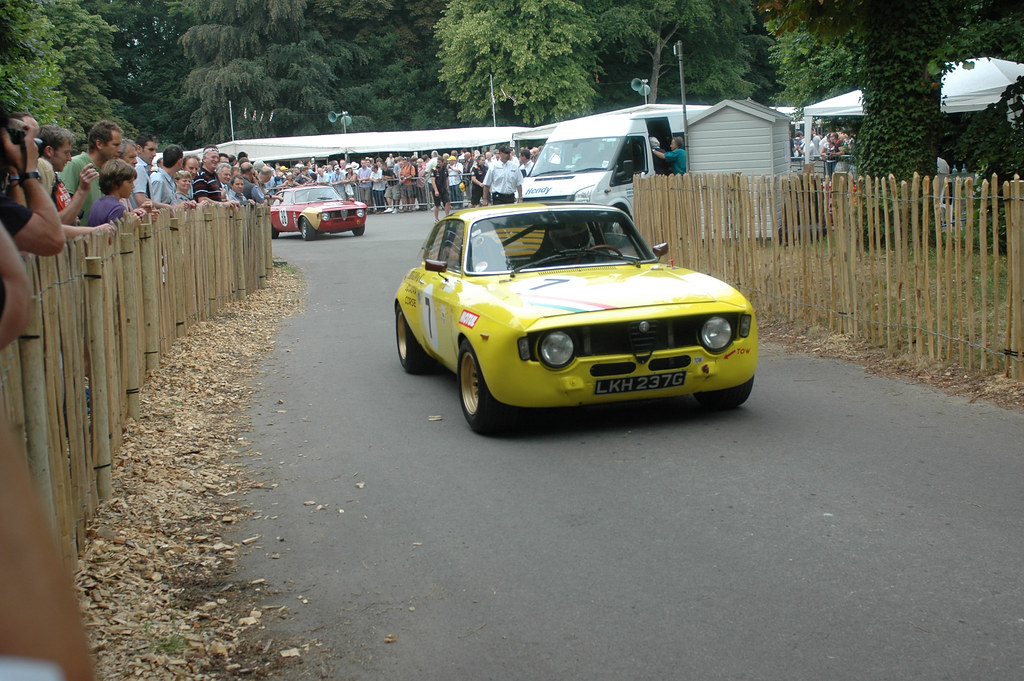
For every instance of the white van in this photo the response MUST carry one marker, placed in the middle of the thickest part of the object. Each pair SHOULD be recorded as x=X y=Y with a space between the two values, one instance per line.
x=593 y=159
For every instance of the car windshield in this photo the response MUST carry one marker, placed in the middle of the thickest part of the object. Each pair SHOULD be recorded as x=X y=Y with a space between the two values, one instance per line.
x=316 y=194
x=558 y=238
x=577 y=156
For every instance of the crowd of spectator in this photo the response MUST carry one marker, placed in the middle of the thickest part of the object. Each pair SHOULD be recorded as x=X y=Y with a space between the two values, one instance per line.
x=400 y=184
x=119 y=178
x=830 y=150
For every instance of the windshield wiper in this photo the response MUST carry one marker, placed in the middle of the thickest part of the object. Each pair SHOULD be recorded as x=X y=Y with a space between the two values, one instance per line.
x=553 y=257
x=560 y=171
x=616 y=254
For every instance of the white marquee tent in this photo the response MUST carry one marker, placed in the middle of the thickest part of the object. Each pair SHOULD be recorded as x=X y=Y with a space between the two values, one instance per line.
x=360 y=143
x=963 y=89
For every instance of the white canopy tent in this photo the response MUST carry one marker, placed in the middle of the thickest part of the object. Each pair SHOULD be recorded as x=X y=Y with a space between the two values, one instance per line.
x=359 y=143
x=965 y=88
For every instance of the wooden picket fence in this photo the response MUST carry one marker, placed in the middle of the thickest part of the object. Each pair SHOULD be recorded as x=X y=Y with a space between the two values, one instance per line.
x=931 y=268
x=104 y=312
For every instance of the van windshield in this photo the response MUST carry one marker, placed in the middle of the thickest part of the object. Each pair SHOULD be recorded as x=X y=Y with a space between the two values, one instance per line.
x=596 y=154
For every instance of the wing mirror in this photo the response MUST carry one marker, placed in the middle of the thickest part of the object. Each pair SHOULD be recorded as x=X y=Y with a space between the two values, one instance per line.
x=661 y=249
x=442 y=266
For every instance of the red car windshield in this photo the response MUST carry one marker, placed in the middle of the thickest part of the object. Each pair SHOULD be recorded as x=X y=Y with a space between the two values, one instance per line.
x=315 y=194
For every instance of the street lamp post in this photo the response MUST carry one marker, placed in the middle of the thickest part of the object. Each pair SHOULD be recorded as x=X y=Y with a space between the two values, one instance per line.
x=678 y=50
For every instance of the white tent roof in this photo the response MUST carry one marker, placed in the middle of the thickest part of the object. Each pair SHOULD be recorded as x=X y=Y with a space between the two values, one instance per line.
x=322 y=146
x=963 y=89
x=974 y=89
x=848 y=104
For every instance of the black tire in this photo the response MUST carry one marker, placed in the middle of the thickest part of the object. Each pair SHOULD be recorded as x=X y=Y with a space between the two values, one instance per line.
x=411 y=354
x=274 y=233
x=484 y=414
x=306 y=230
x=730 y=398
x=358 y=231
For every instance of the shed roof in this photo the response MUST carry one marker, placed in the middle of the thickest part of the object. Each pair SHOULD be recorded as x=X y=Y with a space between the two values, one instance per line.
x=747 y=106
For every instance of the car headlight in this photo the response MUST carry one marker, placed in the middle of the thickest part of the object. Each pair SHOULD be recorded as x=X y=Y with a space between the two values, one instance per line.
x=557 y=349
x=360 y=213
x=716 y=334
x=583 y=195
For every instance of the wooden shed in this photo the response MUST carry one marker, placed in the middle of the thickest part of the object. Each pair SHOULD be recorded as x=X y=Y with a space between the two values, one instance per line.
x=739 y=136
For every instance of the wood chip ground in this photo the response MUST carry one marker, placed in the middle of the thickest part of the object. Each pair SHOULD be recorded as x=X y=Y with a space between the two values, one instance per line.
x=155 y=580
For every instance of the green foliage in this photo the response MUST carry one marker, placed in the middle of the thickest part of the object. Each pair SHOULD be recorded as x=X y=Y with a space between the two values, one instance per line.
x=825 y=18
x=536 y=51
x=899 y=52
x=146 y=85
x=171 y=66
x=265 y=57
x=29 y=65
x=89 y=69
x=812 y=68
x=901 y=93
x=716 y=43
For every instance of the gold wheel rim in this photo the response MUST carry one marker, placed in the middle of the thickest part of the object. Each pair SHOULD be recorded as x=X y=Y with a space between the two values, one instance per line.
x=400 y=333
x=468 y=384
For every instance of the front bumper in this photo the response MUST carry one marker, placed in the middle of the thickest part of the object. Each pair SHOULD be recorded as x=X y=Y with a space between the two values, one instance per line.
x=531 y=384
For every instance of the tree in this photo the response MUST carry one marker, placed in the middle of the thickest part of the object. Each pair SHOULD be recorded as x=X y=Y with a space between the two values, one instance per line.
x=392 y=82
x=812 y=69
x=900 y=47
x=89 y=67
x=29 y=64
x=149 y=86
x=713 y=34
x=266 y=57
x=537 y=51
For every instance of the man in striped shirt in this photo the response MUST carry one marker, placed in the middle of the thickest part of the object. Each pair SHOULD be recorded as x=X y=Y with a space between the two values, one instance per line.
x=206 y=187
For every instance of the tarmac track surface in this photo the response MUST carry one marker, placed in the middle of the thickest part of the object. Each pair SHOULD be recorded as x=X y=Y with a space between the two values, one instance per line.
x=838 y=526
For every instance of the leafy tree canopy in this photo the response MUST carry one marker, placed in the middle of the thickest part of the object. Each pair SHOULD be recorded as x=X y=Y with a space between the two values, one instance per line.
x=537 y=52
x=713 y=32
x=29 y=66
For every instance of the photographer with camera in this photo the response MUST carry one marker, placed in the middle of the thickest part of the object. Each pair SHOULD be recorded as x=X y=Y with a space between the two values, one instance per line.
x=26 y=210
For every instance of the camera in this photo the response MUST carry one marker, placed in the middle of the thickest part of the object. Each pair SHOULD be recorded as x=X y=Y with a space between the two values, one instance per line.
x=17 y=135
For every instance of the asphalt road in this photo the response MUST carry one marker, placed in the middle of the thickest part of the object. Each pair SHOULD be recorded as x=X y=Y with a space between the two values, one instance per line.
x=838 y=526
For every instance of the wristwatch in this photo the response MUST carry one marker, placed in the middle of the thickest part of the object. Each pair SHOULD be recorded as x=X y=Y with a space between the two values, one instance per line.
x=29 y=176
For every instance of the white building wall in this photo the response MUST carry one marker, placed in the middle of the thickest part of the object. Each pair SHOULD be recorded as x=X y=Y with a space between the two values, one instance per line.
x=782 y=148
x=731 y=140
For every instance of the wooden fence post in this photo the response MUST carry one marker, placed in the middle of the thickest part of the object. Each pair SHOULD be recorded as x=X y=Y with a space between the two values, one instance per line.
x=33 y=391
x=150 y=308
x=238 y=235
x=98 y=377
x=176 y=267
x=211 y=265
x=129 y=315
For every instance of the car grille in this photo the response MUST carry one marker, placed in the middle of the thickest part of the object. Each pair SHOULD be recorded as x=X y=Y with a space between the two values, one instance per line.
x=629 y=338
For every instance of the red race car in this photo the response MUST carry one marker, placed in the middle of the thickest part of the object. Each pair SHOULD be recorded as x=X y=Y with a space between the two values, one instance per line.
x=311 y=211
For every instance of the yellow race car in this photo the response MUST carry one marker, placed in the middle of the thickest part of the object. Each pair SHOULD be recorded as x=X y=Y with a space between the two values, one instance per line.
x=536 y=305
